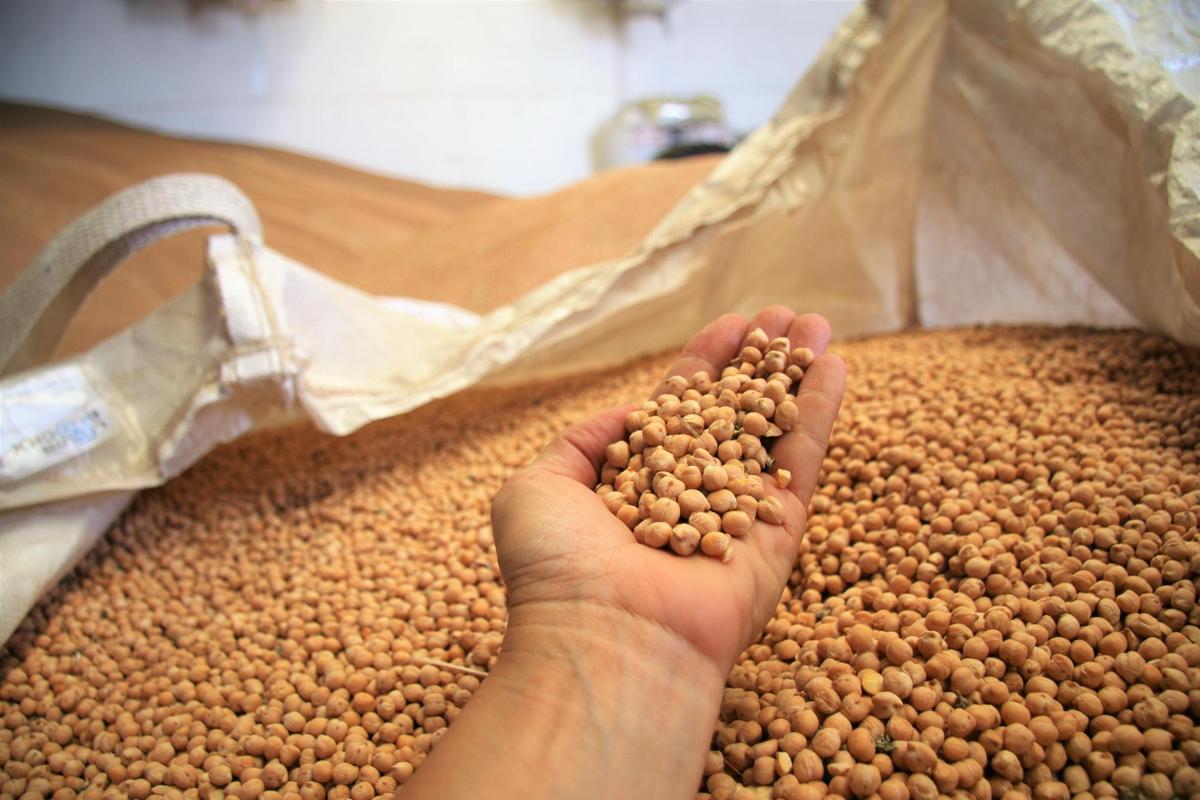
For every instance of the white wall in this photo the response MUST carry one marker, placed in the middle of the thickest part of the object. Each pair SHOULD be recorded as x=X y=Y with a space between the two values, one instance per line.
x=495 y=95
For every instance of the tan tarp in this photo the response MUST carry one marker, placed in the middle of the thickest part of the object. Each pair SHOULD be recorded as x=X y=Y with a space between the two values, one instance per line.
x=381 y=235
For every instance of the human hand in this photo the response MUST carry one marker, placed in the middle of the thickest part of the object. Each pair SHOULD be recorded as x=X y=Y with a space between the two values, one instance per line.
x=567 y=560
x=615 y=653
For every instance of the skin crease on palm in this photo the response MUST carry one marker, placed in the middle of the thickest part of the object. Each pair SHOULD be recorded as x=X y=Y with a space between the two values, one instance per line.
x=568 y=564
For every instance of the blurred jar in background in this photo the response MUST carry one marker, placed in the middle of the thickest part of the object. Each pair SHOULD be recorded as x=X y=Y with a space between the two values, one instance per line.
x=661 y=128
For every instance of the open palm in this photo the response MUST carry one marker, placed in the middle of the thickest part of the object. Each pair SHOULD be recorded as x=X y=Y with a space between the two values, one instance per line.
x=559 y=546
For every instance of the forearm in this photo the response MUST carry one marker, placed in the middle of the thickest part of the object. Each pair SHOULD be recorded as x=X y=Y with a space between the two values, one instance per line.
x=583 y=704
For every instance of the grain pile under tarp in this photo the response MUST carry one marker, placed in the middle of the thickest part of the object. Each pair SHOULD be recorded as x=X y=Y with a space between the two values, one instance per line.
x=893 y=188
x=381 y=235
x=56 y=165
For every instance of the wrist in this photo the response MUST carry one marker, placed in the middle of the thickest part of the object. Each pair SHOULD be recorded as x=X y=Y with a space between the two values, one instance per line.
x=585 y=701
x=587 y=639
x=623 y=687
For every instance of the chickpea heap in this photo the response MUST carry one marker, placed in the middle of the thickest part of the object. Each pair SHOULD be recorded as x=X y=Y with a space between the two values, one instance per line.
x=996 y=595
x=689 y=472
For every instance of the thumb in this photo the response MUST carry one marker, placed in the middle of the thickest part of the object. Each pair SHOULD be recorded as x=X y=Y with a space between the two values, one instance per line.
x=578 y=452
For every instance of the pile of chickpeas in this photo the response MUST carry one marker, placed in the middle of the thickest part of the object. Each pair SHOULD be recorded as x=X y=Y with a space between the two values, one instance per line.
x=995 y=597
x=689 y=472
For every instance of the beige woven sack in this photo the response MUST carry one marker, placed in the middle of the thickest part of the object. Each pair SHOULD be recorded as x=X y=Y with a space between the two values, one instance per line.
x=894 y=188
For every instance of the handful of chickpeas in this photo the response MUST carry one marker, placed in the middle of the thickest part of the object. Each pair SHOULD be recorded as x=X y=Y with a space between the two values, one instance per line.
x=689 y=473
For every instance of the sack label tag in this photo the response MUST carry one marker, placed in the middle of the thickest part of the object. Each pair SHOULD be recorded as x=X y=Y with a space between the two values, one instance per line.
x=47 y=418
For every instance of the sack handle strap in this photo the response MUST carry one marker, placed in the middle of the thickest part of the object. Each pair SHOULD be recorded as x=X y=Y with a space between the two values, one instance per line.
x=40 y=303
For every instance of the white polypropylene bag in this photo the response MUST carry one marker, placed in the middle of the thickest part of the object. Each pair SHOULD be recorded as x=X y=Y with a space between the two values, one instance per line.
x=943 y=163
